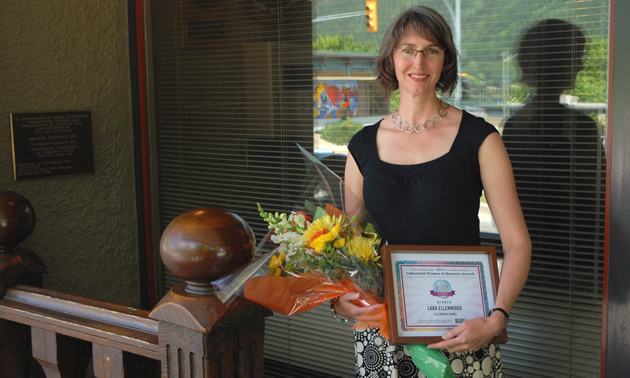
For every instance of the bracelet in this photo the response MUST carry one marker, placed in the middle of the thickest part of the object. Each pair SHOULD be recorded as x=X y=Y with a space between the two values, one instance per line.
x=507 y=316
x=334 y=313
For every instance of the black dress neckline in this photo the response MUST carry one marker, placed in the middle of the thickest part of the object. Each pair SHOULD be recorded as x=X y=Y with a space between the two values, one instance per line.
x=432 y=161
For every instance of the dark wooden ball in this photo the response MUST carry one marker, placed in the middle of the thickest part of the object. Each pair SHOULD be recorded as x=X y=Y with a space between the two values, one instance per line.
x=17 y=220
x=205 y=244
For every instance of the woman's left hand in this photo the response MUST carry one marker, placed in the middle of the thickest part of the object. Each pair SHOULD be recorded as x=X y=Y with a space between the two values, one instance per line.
x=471 y=335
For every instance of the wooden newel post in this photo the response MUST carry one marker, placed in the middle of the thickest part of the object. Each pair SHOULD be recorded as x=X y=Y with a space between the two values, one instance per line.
x=200 y=336
x=17 y=265
x=17 y=222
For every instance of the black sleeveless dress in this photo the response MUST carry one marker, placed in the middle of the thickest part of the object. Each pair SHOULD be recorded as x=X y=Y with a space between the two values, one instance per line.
x=433 y=203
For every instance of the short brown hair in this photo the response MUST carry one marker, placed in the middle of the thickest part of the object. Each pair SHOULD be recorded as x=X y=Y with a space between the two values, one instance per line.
x=428 y=24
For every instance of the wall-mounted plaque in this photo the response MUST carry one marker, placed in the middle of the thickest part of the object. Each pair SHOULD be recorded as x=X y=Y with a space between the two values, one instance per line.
x=51 y=144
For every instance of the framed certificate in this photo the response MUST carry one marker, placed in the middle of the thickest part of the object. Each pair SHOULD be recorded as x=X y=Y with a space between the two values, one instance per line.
x=432 y=289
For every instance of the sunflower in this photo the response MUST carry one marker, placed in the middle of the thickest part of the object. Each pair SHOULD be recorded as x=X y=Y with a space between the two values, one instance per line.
x=321 y=231
x=363 y=249
x=339 y=243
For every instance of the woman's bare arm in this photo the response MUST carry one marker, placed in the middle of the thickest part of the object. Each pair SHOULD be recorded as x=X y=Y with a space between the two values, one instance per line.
x=354 y=201
x=500 y=191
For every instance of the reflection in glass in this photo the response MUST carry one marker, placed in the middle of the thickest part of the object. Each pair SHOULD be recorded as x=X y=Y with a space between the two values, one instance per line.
x=559 y=167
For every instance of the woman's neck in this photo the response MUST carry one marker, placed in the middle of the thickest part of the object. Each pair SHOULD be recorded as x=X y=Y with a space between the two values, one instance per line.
x=418 y=110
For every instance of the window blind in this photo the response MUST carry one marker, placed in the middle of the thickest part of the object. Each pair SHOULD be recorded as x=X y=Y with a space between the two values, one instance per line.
x=556 y=147
x=235 y=84
x=232 y=96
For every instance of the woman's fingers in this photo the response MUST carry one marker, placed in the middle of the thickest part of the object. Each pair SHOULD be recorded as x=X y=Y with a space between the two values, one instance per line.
x=470 y=335
x=345 y=306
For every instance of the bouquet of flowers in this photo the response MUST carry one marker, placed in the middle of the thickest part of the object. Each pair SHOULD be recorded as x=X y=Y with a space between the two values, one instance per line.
x=319 y=257
x=319 y=252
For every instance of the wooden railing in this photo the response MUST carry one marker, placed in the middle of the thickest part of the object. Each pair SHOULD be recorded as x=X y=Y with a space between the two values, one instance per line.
x=190 y=333
x=60 y=321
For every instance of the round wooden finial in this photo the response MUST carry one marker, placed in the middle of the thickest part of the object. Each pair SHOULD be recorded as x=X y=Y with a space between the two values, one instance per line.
x=205 y=244
x=17 y=221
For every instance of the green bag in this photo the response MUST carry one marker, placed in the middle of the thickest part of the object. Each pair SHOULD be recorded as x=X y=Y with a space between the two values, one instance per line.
x=431 y=362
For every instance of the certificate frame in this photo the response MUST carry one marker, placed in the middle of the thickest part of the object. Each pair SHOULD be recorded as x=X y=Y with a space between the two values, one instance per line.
x=419 y=282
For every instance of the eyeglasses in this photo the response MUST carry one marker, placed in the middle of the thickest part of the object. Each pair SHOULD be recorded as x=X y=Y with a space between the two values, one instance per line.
x=430 y=54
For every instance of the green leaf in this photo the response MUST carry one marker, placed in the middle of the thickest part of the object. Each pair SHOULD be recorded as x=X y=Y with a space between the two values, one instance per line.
x=310 y=207
x=319 y=213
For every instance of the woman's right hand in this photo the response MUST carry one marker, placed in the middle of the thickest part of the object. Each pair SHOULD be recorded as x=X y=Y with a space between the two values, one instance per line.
x=347 y=309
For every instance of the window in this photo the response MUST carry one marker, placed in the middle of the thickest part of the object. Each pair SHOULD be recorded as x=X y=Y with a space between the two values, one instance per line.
x=237 y=83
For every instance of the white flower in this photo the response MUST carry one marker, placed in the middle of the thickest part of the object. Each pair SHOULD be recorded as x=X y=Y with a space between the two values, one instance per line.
x=299 y=219
x=289 y=243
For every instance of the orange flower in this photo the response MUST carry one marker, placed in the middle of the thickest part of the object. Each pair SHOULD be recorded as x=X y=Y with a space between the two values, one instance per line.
x=306 y=218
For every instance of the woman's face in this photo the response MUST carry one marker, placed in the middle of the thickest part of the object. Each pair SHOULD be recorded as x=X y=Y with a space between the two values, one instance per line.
x=417 y=73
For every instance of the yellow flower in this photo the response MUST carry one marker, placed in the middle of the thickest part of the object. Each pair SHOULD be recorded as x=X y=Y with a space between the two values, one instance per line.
x=275 y=265
x=339 y=243
x=363 y=249
x=319 y=242
x=276 y=262
x=321 y=231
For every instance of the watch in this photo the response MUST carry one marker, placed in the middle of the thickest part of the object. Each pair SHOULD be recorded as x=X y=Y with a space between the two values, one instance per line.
x=507 y=316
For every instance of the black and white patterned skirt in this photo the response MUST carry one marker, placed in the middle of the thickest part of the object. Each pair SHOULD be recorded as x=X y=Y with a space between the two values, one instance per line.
x=375 y=358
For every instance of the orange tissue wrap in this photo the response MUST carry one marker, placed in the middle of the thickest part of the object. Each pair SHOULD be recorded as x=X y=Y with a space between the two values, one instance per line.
x=294 y=294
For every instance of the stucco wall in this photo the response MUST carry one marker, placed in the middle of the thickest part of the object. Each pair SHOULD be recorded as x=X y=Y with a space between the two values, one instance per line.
x=73 y=55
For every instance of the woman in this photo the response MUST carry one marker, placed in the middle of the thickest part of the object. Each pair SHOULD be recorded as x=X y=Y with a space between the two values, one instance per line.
x=421 y=172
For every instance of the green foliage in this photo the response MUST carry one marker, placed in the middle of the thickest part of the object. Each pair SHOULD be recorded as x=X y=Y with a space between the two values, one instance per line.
x=489 y=37
x=591 y=82
x=394 y=101
x=340 y=132
x=342 y=43
x=519 y=93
